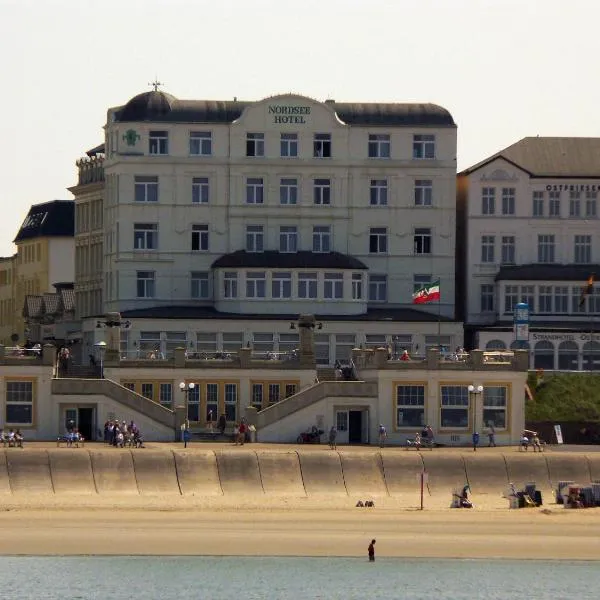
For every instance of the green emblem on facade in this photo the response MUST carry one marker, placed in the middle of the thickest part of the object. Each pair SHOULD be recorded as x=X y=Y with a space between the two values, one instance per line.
x=131 y=137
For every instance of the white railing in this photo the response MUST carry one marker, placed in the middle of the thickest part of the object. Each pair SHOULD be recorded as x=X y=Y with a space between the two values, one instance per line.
x=498 y=357
x=271 y=355
x=19 y=352
x=202 y=355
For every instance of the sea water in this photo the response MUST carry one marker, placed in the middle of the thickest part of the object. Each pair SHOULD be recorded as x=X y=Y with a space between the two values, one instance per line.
x=216 y=578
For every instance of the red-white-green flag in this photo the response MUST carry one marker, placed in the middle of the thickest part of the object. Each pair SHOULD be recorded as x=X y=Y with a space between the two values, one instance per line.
x=428 y=293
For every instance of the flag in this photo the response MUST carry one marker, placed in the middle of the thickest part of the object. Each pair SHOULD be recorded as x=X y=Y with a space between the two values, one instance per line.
x=587 y=290
x=428 y=293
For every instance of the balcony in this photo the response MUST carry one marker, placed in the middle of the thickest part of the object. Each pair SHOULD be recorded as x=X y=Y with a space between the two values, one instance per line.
x=90 y=170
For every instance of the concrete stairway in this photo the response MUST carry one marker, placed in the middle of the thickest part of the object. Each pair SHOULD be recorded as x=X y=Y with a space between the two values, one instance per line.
x=326 y=374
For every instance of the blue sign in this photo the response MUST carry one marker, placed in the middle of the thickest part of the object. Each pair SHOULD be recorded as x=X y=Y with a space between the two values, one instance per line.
x=521 y=322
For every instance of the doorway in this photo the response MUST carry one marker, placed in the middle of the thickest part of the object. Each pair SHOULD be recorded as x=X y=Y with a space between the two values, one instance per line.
x=355 y=426
x=85 y=422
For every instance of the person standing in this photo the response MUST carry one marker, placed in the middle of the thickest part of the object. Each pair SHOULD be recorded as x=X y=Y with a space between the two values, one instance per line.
x=382 y=435
x=332 y=436
x=492 y=436
x=475 y=441
x=371 y=551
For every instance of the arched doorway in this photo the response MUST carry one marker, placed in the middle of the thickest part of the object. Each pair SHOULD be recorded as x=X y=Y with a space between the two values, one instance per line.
x=568 y=356
x=543 y=355
x=591 y=356
x=495 y=345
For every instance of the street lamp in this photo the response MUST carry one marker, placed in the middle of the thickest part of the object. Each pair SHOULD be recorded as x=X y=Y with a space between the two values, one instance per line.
x=101 y=347
x=186 y=388
x=474 y=392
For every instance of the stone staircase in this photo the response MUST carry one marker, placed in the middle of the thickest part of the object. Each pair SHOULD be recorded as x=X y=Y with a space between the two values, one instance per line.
x=80 y=372
x=313 y=394
x=326 y=374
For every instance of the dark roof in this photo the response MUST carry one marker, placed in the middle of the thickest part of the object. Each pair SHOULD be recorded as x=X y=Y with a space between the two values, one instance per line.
x=551 y=157
x=272 y=259
x=95 y=151
x=160 y=107
x=544 y=272
x=50 y=219
x=207 y=312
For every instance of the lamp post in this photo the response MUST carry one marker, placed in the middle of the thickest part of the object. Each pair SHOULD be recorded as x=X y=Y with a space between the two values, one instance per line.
x=101 y=347
x=474 y=392
x=186 y=388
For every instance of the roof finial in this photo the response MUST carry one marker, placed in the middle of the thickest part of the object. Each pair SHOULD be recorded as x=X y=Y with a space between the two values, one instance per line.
x=156 y=84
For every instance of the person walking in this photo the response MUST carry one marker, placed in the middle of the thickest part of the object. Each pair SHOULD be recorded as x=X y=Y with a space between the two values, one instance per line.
x=332 y=436
x=475 y=441
x=382 y=435
x=371 y=551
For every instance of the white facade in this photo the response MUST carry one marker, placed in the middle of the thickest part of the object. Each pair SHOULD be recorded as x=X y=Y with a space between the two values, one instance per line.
x=533 y=237
x=61 y=260
x=303 y=212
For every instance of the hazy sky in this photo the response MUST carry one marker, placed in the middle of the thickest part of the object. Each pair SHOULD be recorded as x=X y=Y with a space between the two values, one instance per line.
x=504 y=68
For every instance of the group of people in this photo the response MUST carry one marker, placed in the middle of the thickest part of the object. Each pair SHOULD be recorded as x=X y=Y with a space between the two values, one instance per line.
x=122 y=434
x=530 y=438
x=12 y=438
x=424 y=438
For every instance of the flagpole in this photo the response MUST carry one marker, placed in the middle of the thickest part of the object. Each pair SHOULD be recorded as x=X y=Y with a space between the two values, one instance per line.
x=440 y=316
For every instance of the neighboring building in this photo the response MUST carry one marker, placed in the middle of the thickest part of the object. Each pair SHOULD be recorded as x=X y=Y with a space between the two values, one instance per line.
x=50 y=317
x=89 y=208
x=44 y=257
x=534 y=237
x=223 y=221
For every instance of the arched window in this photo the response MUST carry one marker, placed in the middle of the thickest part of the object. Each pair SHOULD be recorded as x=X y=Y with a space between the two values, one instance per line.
x=543 y=355
x=568 y=356
x=521 y=345
x=495 y=345
x=591 y=356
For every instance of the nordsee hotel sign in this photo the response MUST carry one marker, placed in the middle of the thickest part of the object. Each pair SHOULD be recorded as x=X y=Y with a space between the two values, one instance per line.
x=292 y=114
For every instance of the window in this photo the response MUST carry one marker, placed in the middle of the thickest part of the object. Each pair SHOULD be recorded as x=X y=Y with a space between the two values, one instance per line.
x=199 y=285
x=145 y=236
x=378 y=240
x=545 y=248
x=423 y=146
x=583 y=249
x=159 y=142
x=149 y=341
x=545 y=299
x=274 y=393
x=410 y=406
x=281 y=285
x=377 y=288
x=554 y=204
x=538 y=204
x=455 y=406
x=488 y=244
x=201 y=143
x=322 y=191
x=255 y=144
x=508 y=249
x=423 y=192
x=199 y=238
x=255 y=238
x=527 y=295
x=322 y=145
x=289 y=145
x=494 y=406
x=256 y=284
x=574 y=204
x=257 y=395
x=321 y=238
x=193 y=404
x=375 y=341
x=230 y=284
x=231 y=394
x=288 y=191
x=344 y=344
x=145 y=284
x=290 y=389
x=147 y=390
x=378 y=192
x=175 y=339
x=341 y=420
x=288 y=342
x=212 y=400
x=511 y=294
x=288 y=238
x=561 y=299
x=333 y=287
x=488 y=201
x=263 y=342
x=200 y=190
x=487 y=297
x=420 y=280
x=254 y=190
x=590 y=204
x=233 y=341
x=146 y=189
x=379 y=145
x=307 y=285
x=508 y=201
x=357 y=286
x=206 y=342
x=422 y=240
x=19 y=403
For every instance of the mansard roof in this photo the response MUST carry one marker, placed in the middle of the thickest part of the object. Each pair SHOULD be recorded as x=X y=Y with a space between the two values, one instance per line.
x=272 y=259
x=50 y=219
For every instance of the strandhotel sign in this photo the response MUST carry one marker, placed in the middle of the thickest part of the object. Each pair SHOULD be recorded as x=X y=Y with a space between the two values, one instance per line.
x=290 y=114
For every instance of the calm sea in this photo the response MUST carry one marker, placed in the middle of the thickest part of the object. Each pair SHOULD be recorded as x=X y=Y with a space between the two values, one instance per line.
x=215 y=578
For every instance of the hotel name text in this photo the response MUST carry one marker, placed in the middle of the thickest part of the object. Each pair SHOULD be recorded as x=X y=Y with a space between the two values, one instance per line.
x=283 y=114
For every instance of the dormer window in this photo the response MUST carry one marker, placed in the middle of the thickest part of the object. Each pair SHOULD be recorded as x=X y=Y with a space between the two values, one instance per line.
x=159 y=142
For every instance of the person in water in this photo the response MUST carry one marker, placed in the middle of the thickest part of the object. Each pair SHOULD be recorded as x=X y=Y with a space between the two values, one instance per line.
x=372 y=550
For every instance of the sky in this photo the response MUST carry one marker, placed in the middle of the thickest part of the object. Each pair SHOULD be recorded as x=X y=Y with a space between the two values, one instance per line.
x=505 y=69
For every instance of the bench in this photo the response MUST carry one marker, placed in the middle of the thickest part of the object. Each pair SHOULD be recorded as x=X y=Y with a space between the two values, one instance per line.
x=12 y=443
x=70 y=441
